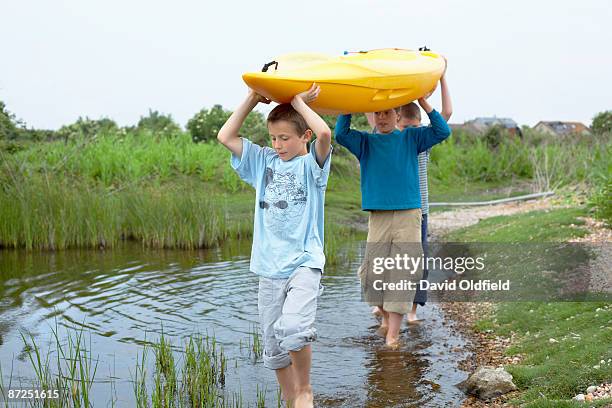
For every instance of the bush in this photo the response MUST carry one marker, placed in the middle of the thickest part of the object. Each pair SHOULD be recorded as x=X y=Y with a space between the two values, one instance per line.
x=602 y=122
x=495 y=135
x=10 y=127
x=205 y=125
x=255 y=128
x=86 y=128
x=12 y=146
x=158 y=123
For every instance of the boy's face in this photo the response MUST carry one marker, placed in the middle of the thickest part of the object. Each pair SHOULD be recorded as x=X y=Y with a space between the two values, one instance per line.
x=408 y=122
x=386 y=121
x=286 y=140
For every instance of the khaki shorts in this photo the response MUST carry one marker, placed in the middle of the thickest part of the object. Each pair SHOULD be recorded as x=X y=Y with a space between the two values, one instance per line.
x=391 y=234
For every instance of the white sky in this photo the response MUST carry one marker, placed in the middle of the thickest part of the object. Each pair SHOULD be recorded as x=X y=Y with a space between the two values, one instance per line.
x=529 y=60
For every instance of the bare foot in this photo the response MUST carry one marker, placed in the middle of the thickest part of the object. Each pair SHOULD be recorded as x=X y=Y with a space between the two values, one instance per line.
x=412 y=316
x=412 y=319
x=393 y=343
x=376 y=311
x=304 y=399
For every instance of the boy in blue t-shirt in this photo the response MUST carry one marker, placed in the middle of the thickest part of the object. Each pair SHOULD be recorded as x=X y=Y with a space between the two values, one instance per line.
x=410 y=116
x=287 y=251
x=390 y=191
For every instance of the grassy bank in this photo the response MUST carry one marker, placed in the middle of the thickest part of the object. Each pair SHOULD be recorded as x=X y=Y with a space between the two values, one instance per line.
x=165 y=191
x=566 y=345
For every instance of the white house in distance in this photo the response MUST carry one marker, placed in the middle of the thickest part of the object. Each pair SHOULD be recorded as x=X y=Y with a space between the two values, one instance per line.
x=558 y=128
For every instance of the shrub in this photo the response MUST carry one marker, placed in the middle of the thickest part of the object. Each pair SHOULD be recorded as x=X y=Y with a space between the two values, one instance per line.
x=158 y=123
x=602 y=122
x=9 y=126
x=87 y=128
x=205 y=125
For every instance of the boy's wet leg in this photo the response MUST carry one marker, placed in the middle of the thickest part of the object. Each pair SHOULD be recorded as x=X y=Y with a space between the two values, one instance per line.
x=395 y=321
x=301 y=362
x=384 y=324
x=286 y=380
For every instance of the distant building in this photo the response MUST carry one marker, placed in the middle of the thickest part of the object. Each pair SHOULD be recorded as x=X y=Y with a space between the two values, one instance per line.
x=558 y=128
x=481 y=125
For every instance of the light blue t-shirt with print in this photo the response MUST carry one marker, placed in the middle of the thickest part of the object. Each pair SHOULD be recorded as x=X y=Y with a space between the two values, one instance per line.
x=290 y=196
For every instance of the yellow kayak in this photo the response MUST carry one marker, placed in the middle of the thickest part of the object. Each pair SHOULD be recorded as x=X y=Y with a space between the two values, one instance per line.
x=366 y=81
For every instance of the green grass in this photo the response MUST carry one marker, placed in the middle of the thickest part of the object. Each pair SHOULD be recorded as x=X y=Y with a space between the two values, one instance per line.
x=555 y=225
x=195 y=379
x=71 y=371
x=168 y=192
x=47 y=213
x=557 y=370
x=562 y=369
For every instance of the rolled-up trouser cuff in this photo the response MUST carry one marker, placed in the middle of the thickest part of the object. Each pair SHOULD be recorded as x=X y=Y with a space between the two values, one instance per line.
x=297 y=341
x=277 y=362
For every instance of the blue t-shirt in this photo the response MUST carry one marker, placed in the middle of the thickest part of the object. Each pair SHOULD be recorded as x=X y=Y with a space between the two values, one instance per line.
x=389 y=167
x=290 y=196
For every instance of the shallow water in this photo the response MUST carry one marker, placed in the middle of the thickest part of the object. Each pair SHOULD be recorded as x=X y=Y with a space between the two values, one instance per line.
x=123 y=298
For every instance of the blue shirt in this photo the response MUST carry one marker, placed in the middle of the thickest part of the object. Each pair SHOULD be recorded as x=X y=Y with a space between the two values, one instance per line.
x=389 y=167
x=288 y=230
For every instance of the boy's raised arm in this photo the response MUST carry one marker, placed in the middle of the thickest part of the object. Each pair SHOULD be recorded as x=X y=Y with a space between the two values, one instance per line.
x=315 y=122
x=447 y=106
x=350 y=138
x=428 y=136
x=370 y=117
x=228 y=134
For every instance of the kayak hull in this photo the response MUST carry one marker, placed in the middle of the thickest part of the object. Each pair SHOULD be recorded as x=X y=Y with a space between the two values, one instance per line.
x=364 y=82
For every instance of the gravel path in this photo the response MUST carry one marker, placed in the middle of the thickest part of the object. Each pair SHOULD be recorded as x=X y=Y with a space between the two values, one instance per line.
x=445 y=221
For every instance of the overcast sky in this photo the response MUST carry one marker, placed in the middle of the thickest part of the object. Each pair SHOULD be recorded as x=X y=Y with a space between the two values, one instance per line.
x=529 y=60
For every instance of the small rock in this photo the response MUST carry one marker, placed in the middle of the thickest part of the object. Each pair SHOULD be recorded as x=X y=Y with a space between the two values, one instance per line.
x=579 y=397
x=488 y=382
x=551 y=340
x=591 y=389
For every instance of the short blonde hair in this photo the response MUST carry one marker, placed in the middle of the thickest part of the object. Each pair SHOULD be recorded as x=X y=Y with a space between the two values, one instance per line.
x=410 y=111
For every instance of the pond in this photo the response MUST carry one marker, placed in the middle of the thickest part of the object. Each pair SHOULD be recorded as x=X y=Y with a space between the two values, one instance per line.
x=124 y=298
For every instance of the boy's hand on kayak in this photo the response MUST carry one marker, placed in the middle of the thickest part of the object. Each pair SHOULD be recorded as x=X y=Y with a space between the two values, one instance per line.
x=309 y=95
x=424 y=104
x=257 y=98
x=427 y=95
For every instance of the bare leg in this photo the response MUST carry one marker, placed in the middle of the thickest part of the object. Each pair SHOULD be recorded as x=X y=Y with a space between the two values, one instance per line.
x=384 y=324
x=395 y=321
x=301 y=361
x=285 y=377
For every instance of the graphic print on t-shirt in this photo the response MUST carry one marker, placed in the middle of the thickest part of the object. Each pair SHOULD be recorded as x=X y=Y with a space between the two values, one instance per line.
x=284 y=200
